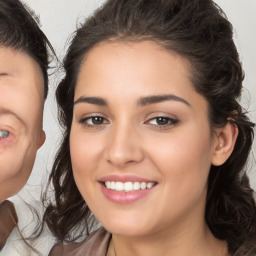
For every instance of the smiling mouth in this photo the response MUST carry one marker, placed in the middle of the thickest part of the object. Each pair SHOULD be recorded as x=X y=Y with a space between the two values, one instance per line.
x=128 y=186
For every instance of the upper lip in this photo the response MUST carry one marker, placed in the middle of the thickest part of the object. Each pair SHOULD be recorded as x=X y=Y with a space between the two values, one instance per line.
x=125 y=178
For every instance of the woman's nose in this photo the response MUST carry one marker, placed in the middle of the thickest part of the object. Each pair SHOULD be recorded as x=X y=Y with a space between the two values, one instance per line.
x=124 y=146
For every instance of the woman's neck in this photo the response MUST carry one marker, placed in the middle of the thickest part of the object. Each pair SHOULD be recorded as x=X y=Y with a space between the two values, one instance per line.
x=192 y=242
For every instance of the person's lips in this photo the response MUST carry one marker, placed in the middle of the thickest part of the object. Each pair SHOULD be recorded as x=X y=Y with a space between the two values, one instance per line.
x=125 y=189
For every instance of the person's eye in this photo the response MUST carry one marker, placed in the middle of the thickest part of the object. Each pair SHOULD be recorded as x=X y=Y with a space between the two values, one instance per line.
x=93 y=121
x=162 y=121
x=4 y=134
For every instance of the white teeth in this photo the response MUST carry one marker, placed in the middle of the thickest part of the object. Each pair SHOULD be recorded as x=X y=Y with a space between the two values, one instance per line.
x=128 y=186
x=119 y=186
x=143 y=185
x=150 y=185
x=136 y=185
x=112 y=185
x=108 y=184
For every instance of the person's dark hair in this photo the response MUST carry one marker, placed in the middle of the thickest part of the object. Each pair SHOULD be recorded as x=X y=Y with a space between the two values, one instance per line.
x=199 y=31
x=20 y=31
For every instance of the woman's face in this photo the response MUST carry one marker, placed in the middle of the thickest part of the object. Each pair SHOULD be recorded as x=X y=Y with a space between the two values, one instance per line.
x=21 y=112
x=140 y=141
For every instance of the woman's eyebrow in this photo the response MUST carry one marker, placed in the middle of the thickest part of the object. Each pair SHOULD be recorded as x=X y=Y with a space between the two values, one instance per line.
x=5 y=111
x=92 y=100
x=144 y=101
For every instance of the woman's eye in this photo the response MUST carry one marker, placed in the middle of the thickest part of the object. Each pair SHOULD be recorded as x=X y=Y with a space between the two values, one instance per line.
x=162 y=121
x=94 y=121
x=4 y=134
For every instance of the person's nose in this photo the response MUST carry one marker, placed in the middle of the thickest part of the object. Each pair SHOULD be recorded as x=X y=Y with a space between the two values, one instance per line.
x=124 y=146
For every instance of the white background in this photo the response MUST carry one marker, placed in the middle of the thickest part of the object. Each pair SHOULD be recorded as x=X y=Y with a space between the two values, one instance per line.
x=59 y=19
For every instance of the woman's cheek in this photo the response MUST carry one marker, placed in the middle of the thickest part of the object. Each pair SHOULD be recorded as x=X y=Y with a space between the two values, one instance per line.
x=83 y=149
x=77 y=153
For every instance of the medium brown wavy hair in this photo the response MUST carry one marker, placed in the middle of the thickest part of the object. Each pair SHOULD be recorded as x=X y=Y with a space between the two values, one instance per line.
x=199 y=31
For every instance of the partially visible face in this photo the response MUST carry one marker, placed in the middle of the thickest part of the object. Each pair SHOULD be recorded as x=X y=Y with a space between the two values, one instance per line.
x=141 y=146
x=21 y=112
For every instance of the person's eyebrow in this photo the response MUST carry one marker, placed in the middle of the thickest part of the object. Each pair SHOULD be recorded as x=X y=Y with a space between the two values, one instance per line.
x=5 y=111
x=92 y=100
x=144 y=101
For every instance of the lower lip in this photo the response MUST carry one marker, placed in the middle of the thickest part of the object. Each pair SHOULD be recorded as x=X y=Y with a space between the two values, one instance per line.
x=122 y=197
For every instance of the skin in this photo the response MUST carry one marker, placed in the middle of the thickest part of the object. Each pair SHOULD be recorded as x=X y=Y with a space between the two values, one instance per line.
x=21 y=115
x=130 y=141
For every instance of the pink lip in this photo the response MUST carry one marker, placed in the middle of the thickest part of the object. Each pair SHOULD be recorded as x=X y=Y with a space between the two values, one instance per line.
x=122 y=197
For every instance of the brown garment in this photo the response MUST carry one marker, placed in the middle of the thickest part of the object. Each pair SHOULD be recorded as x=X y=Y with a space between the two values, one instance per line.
x=95 y=244
x=8 y=220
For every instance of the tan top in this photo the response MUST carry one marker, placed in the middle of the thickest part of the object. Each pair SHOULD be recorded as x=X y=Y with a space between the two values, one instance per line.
x=8 y=220
x=95 y=244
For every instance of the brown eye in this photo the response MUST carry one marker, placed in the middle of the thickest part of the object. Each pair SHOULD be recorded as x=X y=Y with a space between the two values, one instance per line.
x=94 y=121
x=162 y=121
x=97 y=120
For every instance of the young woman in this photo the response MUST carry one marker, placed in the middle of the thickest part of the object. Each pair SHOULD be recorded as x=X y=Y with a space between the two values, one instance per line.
x=23 y=86
x=155 y=140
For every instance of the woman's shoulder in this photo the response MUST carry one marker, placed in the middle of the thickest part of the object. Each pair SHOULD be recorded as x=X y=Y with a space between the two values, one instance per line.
x=95 y=244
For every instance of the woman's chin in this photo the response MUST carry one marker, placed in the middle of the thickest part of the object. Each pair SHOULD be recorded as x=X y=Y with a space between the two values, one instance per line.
x=127 y=229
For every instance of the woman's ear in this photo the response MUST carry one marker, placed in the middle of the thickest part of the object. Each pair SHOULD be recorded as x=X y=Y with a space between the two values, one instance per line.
x=224 y=143
x=42 y=139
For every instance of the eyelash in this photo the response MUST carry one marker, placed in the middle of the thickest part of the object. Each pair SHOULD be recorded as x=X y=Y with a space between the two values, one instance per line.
x=91 y=122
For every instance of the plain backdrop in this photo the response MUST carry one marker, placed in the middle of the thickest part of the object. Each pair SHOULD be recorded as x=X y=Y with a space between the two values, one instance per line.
x=59 y=18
